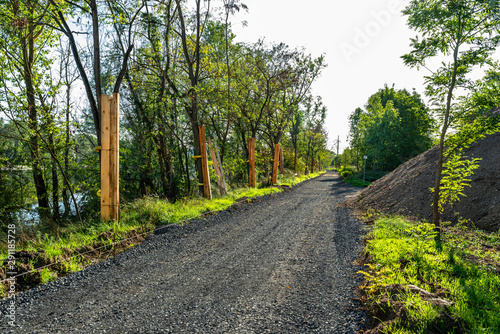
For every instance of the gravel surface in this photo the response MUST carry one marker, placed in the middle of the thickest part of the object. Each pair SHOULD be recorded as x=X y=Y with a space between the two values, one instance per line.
x=281 y=264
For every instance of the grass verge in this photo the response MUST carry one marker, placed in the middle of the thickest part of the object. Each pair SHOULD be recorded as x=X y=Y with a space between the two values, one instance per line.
x=362 y=179
x=414 y=285
x=78 y=245
x=290 y=180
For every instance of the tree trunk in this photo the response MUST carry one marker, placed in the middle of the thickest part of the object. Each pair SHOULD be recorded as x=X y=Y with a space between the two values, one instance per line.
x=193 y=62
x=65 y=195
x=55 y=182
x=163 y=174
x=28 y=47
x=295 y=158
x=437 y=187
x=97 y=56
x=193 y=113
x=186 y=159
x=306 y=170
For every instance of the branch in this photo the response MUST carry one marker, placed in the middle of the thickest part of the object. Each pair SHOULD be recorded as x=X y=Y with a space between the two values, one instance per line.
x=86 y=11
x=119 y=79
x=88 y=89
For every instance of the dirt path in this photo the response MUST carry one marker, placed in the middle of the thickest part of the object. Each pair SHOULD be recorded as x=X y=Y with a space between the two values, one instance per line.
x=283 y=264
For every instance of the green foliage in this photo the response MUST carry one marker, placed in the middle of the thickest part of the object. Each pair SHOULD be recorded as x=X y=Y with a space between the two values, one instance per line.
x=405 y=253
x=476 y=120
x=291 y=181
x=15 y=187
x=172 y=84
x=46 y=275
x=456 y=176
x=357 y=182
x=356 y=179
x=346 y=171
x=370 y=175
x=395 y=127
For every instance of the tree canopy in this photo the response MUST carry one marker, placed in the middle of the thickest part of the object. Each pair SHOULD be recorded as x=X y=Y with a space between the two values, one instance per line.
x=395 y=127
x=176 y=66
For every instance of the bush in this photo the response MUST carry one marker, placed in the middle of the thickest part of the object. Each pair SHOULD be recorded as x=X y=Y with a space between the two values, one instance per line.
x=346 y=172
x=371 y=176
x=358 y=182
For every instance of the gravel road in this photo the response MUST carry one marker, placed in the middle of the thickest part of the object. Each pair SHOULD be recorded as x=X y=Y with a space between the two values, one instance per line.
x=281 y=264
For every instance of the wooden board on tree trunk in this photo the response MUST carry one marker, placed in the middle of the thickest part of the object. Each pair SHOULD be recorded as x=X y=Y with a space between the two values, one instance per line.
x=251 y=162
x=110 y=157
x=207 y=191
x=276 y=163
x=217 y=168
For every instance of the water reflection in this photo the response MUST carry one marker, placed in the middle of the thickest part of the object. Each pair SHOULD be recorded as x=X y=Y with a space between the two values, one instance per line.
x=31 y=216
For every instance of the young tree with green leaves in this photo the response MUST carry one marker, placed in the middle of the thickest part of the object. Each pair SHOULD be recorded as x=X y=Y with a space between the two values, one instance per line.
x=311 y=135
x=463 y=32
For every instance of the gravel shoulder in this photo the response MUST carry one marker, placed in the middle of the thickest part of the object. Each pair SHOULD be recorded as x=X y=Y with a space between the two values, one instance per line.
x=281 y=264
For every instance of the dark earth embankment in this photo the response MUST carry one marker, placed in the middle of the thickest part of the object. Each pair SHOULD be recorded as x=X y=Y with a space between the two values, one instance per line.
x=406 y=191
x=282 y=264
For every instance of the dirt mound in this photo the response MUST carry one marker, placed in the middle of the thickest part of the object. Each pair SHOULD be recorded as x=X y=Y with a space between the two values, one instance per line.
x=406 y=191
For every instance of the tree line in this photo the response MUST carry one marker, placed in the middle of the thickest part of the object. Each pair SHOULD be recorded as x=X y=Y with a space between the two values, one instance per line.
x=395 y=127
x=176 y=66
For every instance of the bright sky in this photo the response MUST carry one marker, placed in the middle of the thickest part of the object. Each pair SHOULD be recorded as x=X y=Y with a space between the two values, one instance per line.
x=363 y=41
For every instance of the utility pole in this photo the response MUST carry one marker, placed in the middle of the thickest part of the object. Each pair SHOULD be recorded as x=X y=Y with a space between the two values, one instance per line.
x=338 y=142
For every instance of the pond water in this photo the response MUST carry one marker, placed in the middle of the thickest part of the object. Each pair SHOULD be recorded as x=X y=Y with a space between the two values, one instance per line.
x=31 y=216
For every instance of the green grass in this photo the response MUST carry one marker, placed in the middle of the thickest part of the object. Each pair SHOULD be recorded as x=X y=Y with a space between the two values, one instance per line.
x=464 y=265
x=290 y=181
x=154 y=211
x=369 y=177
x=357 y=182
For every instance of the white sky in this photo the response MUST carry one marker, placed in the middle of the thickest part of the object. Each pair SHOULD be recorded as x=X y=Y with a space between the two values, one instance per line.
x=363 y=41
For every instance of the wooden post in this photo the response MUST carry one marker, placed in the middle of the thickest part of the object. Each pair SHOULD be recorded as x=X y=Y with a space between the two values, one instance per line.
x=105 y=168
x=275 y=163
x=110 y=157
x=114 y=156
x=282 y=167
x=217 y=169
x=251 y=161
x=207 y=192
x=223 y=180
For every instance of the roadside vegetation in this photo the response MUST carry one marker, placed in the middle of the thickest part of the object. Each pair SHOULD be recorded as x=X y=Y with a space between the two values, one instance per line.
x=73 y=247
x=359 y=179
x=415 y=285
x=421 y=277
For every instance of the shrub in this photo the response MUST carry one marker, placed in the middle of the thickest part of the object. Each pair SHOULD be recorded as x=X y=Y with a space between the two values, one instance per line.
x=346 y=172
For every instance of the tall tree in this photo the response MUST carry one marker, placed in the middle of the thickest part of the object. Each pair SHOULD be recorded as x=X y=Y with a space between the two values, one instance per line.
x=89 y=9
x=25 y=42
x=295 y=71
x=395 y=127
x=355 y=138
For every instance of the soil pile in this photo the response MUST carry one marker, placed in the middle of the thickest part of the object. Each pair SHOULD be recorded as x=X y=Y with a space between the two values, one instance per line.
x=406 y=191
